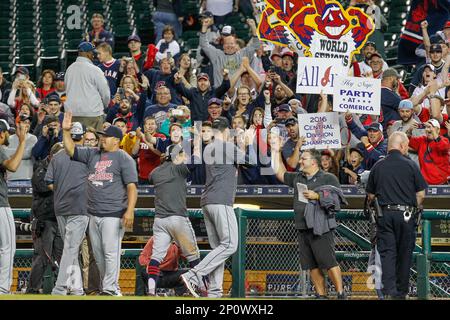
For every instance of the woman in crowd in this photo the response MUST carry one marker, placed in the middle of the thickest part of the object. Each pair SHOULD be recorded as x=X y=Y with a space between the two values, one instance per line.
x=46 y=84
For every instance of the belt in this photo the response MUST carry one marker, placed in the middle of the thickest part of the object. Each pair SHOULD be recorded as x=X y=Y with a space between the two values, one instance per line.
x=398 y=207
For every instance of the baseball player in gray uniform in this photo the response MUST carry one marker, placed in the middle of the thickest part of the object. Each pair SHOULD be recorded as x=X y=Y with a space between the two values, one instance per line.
x=221 y=158
x=112 y=196
x=171 y=219
x=7 y=227
x=68 y=180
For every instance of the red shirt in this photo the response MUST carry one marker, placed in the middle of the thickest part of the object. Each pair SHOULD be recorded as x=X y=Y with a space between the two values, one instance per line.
x=170 y=262
x=433 y=158
x=425 y=115
x=43 y=93
x=148 y=160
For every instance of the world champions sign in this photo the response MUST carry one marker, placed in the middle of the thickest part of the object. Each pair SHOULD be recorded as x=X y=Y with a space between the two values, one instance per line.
x=324 y=28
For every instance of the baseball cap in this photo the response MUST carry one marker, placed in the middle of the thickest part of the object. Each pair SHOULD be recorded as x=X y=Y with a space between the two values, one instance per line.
x=375 y=126
x=290 y=121
x=112 y=131
x=220 y=123
x=53 y=97
x=287 y=53
x=4 y=126
x=206 y=14
x=118 y=119
x=134 y=37
x=22 y=70
x=60 y=76
x=203 y=76
x=357 y=150
x=405 y=104
x=375 y=54
x=227 y=31
x=86 y=47
x=447 y=25
x=390 y=72
x=434 y=123
x=429 y=65
x=275 y=54
x=77 y=131
x=214 y=101
x=172 y=151
x=284 y=107
x=370 y=43
x=435 y=48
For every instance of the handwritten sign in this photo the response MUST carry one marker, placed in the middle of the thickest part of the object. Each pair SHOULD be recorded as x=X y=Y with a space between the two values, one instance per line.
x=358 y=95
x=317 y=74
x=321 y=130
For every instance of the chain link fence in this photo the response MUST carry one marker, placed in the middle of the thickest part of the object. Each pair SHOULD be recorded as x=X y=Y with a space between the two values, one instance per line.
x=272 y=264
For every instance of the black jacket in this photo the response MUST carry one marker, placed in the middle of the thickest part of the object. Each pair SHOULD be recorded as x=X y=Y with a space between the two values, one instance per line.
x=199 y=101
x=42 y=205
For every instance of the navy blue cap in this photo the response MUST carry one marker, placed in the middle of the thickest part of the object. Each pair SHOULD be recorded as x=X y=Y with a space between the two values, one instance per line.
x=134 y=37
x=375 y=126
x=86 y=47
x=284 y=107
x=22 y=70
x=112 y=131
x=290 y=121
x=214 y=101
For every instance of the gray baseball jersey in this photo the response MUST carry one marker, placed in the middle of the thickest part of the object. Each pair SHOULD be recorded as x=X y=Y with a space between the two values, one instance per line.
x=69 y=179
x=3 y=186
x=170 y=189
x=221 y=173
x=109 y=173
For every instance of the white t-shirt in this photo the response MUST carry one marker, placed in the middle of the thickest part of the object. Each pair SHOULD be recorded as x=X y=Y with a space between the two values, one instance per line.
x=219 y=7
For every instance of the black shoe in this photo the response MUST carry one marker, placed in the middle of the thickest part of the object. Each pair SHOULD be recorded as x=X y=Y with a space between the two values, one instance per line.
x=341 y=296
x=321 y=297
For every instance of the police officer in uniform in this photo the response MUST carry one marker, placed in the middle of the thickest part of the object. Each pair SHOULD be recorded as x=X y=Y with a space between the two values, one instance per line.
x=399 y=187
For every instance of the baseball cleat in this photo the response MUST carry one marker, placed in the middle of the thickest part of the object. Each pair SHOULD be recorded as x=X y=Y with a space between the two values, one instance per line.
x=190 y=286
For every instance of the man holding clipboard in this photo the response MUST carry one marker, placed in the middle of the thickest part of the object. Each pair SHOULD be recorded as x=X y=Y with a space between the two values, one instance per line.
x=316 y=251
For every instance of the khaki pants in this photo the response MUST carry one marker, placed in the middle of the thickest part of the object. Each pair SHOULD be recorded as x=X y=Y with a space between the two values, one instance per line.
x=94 y=122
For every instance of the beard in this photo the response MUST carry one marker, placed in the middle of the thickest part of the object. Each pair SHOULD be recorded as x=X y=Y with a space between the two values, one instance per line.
x=124 y=112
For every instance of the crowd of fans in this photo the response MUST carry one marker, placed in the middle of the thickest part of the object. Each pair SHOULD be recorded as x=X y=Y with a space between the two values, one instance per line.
x=156 y=96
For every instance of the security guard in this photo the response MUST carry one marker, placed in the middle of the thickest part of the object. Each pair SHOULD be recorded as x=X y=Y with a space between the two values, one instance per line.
x=399 y=186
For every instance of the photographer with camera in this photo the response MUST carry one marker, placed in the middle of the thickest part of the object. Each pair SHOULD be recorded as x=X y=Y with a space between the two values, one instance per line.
x=51 y=134
x=47 y=241
x=7 y=228
x=23 y=90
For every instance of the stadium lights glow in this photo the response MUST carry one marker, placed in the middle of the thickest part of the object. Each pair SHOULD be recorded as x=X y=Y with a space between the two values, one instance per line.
x=382 y=4
x=386 y=9
x=408 y=3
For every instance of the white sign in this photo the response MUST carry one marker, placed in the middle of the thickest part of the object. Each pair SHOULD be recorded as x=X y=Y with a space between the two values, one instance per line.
x=321 y=130
x=357 y=95
x=318 y=74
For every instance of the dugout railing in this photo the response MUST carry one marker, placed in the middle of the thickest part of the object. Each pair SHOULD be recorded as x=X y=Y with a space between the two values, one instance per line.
x=266 y=263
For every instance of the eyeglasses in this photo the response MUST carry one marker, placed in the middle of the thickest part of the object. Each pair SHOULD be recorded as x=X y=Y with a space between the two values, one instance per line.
x=90 y=140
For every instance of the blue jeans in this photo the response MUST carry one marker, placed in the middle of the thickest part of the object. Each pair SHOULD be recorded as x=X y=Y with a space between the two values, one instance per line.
x=161 y=19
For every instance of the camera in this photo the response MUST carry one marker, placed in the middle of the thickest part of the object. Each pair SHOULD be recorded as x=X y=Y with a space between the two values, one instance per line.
x=271 y=69
x=51 y=131
x=121 y=93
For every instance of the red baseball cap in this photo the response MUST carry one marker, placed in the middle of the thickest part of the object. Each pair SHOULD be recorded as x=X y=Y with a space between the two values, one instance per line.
x=447 y=25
